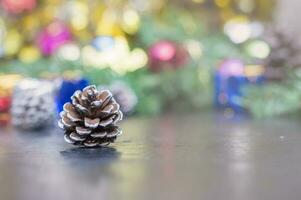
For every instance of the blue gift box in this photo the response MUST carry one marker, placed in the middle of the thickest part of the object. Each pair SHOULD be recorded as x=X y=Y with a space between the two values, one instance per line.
x=228 y=87
x=67 y=89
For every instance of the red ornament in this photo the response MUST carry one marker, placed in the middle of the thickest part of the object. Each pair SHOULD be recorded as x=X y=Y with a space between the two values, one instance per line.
x=18 y=6
x=166 y=54
x=4 y=110
x=4 y=104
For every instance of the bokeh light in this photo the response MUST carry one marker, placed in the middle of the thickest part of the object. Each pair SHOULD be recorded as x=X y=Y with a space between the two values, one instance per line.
x=164 y=50
x=2 y=31
x=222 y=3
x=69 y=51
x=231 y=67
x=18 y=6
x=29 y=54
x=103 y=43
x=194 y=48
x=198 y=1
x=253 y=70
x=115 y=53
x=258 y=49
x=238 y=29
x=52 y=37
x=78 y=14
x=130 y=21
x=12 y=42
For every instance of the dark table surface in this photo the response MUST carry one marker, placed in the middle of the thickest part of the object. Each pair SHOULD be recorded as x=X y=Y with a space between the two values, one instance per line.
x=170 y=157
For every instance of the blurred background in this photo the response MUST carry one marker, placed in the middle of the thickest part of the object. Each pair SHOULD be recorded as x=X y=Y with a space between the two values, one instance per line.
x=237 y=56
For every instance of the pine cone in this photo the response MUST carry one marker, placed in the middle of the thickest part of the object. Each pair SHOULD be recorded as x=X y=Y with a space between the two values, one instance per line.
x=32 y=104
x=90 y=120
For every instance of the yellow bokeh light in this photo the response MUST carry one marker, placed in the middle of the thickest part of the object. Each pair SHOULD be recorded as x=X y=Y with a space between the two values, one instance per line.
x=12 y=42
x=47 y=14
x=7 y=83
x=2 y=31
x=253 y=70
x=78 y=15
x=132 y=61
x=127 y=60
x=130 y=21
x=29 y=54
x=222 y=3
x=198 y=1
x=109 y=25
x=31 y=22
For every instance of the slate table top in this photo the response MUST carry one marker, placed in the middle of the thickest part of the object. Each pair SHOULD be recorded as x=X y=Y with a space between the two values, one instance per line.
x=194 y=156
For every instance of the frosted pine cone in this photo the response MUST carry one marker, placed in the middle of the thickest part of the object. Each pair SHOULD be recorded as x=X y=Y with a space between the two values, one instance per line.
x=90 y=120
x=33 y=105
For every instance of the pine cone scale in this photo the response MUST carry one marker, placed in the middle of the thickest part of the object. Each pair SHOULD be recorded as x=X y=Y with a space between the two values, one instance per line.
x=68 y=139
x=96 y=104
x=99 y=134
x=67 y=122
x=74 y=117
x=106 y=122
x=71 y=112
x=76 y=137
x=114 y=133
x=91 y=143
x=82 y=131
x=91 y=123
x=105 y=96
